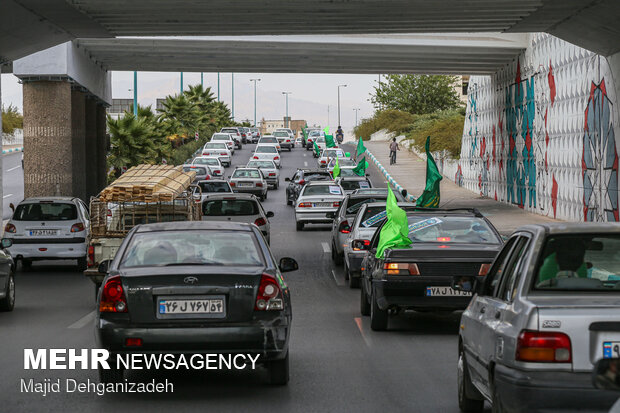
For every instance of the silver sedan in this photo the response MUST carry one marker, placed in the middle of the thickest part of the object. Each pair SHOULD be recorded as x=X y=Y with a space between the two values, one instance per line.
x=270 y=171
x=317 y=203
x=249 y=180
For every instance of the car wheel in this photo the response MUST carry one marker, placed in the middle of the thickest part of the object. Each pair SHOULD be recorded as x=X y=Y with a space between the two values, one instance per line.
x=465 y=386
x=288 y=201
x=82 y=264
x=277 y=185
x=346 y=270
x=279 y=371
x=8 y=302
x=378 y=317
x=113 y=375
x=354 y=282
x=364 y=304
x=97 y=287
x=265 y=196
x=300 y=226
x=337 y=258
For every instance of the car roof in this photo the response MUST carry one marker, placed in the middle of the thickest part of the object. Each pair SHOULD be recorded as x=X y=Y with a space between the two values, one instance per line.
x=563 y=228
x=194 y=225
x=48 y=199
x=354 y=178
x=314 y=183
x=233 y=196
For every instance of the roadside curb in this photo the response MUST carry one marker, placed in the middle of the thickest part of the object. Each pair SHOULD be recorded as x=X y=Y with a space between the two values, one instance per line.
x=389 y=178
x=20 y=149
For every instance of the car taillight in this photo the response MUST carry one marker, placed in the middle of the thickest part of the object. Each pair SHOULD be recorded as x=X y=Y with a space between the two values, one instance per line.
x=223 y=153
x=255 y=157
x=275 y=158
x=323 y=162
x=78 y=227
x=207 y=177
x=232 y=184
x=344 y=227
x=10 y=228
x=133 y=342
x=91 y=256
x=217 y=172
x=259 y=184
x=336 y=204
x=113 y=297
x=305 y=205
x=443 y=239
x=302 y=182
x=269 y=295
x=366 y=243
x=272 y=174
x=484 y=269
x=543 y=347
x=260 y=222
x=401 y=268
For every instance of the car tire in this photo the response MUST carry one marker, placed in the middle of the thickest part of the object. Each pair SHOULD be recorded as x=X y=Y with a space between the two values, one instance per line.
x=346 y=270
x=8 y=302
x=82 y=265
x=300 y=226
x=265 y=196
x=97 y=287
x=364 y=304
x=277 y=185
x=467 y=404
x=378 y=317
x=113 y=375
x=279 y=371
x=288 y=201
x=337 y=258
x=354 y=282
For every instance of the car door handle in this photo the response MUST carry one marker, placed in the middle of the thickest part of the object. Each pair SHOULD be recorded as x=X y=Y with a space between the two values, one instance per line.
x=483 y=310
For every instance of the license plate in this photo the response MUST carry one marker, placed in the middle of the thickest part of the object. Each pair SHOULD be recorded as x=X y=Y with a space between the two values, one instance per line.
x=445 y=292
x=322 y=204
x=43 y=232
x=611 y=349
x=192 y=306
x=245 y=185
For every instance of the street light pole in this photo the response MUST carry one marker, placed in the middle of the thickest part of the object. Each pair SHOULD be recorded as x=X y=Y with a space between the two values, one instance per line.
x=254 y=80
x=181 y=83
x=201 y=79
x=339 y=86
x=135 y=93
x=286 y=94
x=356 y=111
x=232 y=81
x=218 y=86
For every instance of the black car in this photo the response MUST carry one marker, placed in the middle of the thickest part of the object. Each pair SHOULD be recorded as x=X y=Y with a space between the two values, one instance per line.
x=445 y=243
x=7 y=277
x=301 y=177
x=194 y=288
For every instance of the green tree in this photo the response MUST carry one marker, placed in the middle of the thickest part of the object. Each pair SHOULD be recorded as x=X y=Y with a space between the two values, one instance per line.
x=417 y=94
x=11 y=119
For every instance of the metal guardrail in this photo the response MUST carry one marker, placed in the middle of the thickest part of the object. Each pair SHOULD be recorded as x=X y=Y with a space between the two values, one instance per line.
x=389 y=178
x=20 y=149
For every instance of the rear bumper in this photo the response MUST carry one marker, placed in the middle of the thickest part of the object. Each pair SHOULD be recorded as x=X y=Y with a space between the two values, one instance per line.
x=269 y=339
x=286 y=145
x=224 y=159
x=254 y=191
x=314 y=217
x=405 y=292
x=49 y=251
x=354 y=262
x=532 y=391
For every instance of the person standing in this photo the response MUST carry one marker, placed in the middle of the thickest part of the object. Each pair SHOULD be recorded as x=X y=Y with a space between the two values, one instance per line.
x=393 y=148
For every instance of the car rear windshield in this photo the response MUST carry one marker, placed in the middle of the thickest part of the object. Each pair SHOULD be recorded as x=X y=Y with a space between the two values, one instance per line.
x=583 y=262
x=353 y=185
x=354 y=204
x=268 y=140
x=266 y=149
x=375 y=215
x=262 y=164
x=220 y=137
x=163 y=248
x=229 y=131
x=283 y=134
x=314 y=133
x=322 y=190
x=246 y=173
x=206 y=161
x=44 y=211
x=197 y=169
x=214 y=187
x=215 y=145
x=229 y=207
x=342 y=162
x=451 y=229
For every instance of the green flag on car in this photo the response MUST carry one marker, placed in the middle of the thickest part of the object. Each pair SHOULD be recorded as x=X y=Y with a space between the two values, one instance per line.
x=336 y=171
x=430 y=196
x=395 y=232
x=303 y=131
x=360 y=168
x=317 y=150
x=360 y=147
x=326 y=130
x=329 y=141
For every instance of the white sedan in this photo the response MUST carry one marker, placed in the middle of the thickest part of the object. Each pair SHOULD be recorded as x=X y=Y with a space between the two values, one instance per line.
x=219 y=149
x=267 y=153
x=316 y=202
x=226 y=138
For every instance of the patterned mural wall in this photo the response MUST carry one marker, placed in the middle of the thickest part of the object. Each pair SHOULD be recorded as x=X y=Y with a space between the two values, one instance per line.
x=541 y=133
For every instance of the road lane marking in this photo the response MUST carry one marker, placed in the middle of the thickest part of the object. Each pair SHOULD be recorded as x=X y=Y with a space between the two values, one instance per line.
x=305 y=163
x=7 y=195
x=305 y=155
x=88 y=318
x=326 y=247
x=338 y=282
x=367 y=339
x=14 y=168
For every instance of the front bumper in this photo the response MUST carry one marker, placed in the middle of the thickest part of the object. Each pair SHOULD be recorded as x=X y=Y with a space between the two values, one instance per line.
x=410 y=292
x=314 y=217
x=35 y=250
x=534 y=391
x=268 y=338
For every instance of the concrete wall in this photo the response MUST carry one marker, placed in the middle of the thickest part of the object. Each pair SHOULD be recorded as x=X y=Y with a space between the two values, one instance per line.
x=541 y=133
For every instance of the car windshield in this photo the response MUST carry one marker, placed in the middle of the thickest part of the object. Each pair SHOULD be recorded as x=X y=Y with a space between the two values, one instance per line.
x=215 y=146
x=266 y=149
x=246 y=173
x=282 y=134
x=450 y=230
x=353 y=185
x=197 y=169
x=342 y=162
x=214 y=186
x=230 y=207
x=220 y=137
x=206 y=161
x=354 y=204
x=262 y=164
x=374 y=215
x=45 y=211
x=268 y=140
x=322 y=190
x=583 y=262
x=162 y=248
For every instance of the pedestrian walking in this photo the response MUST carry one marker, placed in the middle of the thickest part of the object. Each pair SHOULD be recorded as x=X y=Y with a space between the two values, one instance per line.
x=393 y=148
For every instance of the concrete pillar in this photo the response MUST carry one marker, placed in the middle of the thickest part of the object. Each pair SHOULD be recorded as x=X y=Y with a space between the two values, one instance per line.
x=102 y=149
x=90 y=124
x=48 y=150
x=78 y=139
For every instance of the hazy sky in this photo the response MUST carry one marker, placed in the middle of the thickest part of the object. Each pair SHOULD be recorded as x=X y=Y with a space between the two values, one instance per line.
x=311 y=93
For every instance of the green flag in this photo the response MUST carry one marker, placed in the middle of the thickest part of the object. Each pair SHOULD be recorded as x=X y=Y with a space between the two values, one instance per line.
x=336 y=171
x=317 y=150
x=360 y=168
x=303 y=131
x=430 y=196
x=395 y=232
x=360 y=147
x=329 y=140
x=326 y=130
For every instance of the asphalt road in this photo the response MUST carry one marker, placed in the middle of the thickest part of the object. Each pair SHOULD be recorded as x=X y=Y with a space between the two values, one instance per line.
x=12 y=182
x=337 y=363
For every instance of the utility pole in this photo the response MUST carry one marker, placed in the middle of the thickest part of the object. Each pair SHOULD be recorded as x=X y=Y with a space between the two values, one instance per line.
x=218 y=86
x=202 y=79
x=356 y=111
x=135 y=93
x=286 y=94
x=232 y=81
x=327 y=115
x=181 y=83
x=339 y=86
x=254 y=80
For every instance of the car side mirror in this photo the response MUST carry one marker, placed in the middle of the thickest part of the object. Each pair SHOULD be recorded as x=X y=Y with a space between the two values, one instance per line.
x=331 y=214
x=12 y=207
x=6 y=242
x=104 y=266
x=287 y=264
x=270 y=214
x=403 y=192
x=606 y=374
x=360 y=245
x=465 y=283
